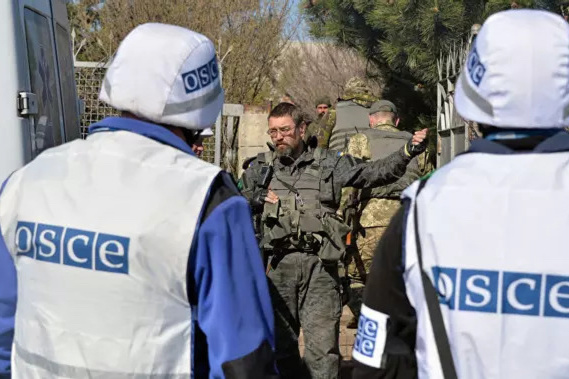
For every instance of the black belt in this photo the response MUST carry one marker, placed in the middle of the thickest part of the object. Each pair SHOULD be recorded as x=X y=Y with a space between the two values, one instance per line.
x=288 y=251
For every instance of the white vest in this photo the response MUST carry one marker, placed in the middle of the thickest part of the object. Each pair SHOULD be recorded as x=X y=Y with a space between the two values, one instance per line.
x=101 y=231
x=494 y=235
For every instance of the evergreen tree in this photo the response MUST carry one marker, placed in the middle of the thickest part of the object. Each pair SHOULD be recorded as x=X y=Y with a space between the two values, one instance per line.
x=404 y=39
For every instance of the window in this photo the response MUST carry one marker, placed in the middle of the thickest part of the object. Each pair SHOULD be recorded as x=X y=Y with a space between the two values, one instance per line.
x=47 y=125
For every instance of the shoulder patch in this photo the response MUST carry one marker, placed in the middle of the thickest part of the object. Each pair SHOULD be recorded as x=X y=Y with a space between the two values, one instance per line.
x=369 y=345
x=359 y=146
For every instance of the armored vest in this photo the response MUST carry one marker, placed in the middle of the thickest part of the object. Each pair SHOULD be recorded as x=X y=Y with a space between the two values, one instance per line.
x=383 y=143
x=350 y=119
x=380 y=204
x=304 y=219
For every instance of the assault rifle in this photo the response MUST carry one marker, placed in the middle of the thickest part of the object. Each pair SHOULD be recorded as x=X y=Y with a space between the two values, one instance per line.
x=352 y=220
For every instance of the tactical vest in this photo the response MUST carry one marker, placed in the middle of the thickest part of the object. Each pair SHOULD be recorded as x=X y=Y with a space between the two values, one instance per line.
x=493 y=232
x=381 y=203
x=302 y=220
x=350 y=119
x=382 y=144
x=100 y=231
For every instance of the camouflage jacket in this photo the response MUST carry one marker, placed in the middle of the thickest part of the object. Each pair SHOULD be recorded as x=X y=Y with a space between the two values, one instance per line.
x=377 y=207
x=321 y=129
x=358 y=91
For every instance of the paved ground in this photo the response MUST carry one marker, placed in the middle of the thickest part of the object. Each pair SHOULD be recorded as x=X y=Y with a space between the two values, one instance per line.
x=347 y=337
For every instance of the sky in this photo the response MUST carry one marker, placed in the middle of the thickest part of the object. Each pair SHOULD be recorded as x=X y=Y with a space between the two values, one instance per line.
x=302 y=31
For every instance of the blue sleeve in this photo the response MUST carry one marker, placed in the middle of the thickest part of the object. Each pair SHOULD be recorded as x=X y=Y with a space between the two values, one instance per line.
x=233 y=304
x=8 y=296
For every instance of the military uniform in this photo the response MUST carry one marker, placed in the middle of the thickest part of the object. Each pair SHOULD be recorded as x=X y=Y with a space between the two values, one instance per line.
x=376 y=207
x=352 y=112
x=305 y=240
x=321 y=128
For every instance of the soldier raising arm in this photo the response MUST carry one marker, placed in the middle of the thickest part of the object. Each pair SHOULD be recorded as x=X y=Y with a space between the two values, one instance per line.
x=342 y=170
x=295 y=192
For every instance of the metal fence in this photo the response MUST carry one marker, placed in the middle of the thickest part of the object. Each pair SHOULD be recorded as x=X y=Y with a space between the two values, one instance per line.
x=89 y=77
x=453 y=132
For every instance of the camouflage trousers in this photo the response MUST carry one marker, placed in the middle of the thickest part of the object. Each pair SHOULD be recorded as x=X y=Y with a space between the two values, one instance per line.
x=367 y=243
x=306 y=294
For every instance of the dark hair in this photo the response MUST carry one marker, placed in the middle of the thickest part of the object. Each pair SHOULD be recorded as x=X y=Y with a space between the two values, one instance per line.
x=288 y=109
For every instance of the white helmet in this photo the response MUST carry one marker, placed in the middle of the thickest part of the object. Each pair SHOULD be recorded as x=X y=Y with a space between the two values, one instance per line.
x=166 y=74
x=207 y=132
x=517 y=73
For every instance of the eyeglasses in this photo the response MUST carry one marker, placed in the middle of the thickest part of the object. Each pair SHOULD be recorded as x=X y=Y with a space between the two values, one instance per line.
x=283 y=131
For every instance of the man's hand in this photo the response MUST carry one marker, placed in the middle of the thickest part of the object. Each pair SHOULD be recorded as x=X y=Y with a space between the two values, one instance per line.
x=262 y=196
x=417 y=144
x=271 y=197
x=419 y=137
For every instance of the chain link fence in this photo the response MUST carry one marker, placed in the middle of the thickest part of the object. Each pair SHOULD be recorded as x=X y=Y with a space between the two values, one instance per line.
x=89 y=77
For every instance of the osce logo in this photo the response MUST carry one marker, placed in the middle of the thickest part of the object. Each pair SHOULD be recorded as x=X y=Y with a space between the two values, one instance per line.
x=520 y=293
x=72 y=247
x=475 y=68
x=201 y=77
x=366 y=337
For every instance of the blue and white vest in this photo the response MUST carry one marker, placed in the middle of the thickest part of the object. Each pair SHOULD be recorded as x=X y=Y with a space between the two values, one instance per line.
x=101 y=231
x=493 y=231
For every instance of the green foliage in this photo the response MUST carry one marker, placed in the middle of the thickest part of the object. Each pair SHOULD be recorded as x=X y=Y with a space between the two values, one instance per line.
x=404 y=39
x=494 y=6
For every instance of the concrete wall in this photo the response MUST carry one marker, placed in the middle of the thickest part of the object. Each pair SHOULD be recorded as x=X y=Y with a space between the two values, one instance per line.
x=252 y=136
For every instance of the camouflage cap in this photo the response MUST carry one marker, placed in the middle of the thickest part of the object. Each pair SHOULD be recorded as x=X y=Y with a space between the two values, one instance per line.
x=323 y=100
x=358 y=90
x=356 y=85
x=383 y=106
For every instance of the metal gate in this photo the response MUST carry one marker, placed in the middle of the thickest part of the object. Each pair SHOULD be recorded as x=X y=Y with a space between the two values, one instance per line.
x=453 y=132
x=220 y=151
x=88 y=77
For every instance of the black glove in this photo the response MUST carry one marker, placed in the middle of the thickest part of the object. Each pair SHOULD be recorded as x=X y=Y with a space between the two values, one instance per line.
x=258 y=200
x=414 y=150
